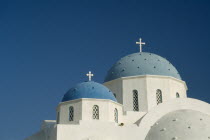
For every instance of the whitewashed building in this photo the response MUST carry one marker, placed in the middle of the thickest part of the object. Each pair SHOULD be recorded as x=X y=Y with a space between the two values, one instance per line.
x=142 y=98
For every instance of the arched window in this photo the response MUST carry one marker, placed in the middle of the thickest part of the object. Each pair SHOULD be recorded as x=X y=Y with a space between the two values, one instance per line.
x=177 y=95
x=159 y=97
x=135 y=101
x=116 y=115
x=95 y=112
x=71 y=113
x=58 y=117
x=114 y=95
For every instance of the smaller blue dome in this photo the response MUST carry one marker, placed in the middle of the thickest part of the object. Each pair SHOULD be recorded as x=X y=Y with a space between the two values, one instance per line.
x=89 y=89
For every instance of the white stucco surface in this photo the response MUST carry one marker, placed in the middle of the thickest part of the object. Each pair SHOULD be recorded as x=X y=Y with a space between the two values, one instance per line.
x=181 y=124
x=134 y=125
x=83 y=109
x=146 y=86
x=174 y=105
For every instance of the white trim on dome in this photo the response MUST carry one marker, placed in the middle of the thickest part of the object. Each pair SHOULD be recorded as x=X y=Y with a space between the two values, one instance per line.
x=90 y=99
x=156 y=76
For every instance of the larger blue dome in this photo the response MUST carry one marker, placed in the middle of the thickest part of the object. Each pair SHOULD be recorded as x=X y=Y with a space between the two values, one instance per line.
x=141 y=64
x=89 y=89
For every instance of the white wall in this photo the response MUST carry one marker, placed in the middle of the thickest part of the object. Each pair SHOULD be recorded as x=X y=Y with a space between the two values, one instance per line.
x=146 y=86
x=169 y=87
x=98 y=131
x=136 y=124
x=83 y=109
x=116 y=87
x=63 y=109
x=134 y=83
x=108 y=130
x=131 y=117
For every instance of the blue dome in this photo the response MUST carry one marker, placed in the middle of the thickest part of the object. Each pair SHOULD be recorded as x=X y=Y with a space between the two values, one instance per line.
x=89 y=89
x=141 y=64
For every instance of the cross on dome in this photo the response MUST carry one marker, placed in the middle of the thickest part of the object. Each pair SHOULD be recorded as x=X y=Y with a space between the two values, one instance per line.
x=90 y=75
x=140 y=44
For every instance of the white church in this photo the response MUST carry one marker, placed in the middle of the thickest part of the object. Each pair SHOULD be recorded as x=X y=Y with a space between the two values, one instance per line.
x=143 y=97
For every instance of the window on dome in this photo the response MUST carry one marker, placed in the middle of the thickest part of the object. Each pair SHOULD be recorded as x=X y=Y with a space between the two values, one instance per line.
x=135 y=101
x=159 y=96
x=71 y=113
x=177 y=95
x=58 y=117
x=116 y=115
x=95 y=112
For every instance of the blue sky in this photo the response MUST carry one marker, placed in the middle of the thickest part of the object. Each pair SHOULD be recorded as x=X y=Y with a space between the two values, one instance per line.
x=47 y=46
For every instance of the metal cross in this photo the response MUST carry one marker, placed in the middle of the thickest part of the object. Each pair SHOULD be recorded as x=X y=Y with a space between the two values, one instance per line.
x=140 y=44
x=89 y=75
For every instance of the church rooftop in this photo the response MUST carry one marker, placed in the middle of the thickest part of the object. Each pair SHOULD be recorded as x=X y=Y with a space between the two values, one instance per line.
x=89 y=89
x=141 y=63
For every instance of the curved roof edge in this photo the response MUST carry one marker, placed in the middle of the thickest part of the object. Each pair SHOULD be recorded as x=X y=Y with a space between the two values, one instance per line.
x=159 y=111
